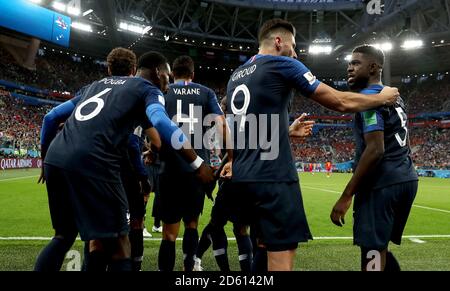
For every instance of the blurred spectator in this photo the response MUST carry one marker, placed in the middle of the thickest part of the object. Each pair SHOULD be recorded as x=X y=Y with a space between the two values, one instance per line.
x=20 y=126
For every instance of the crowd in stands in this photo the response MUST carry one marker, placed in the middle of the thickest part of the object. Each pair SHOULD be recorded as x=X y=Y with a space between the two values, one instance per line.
x=20 y=123
x=54 y=72
x=430 y=147
x=328 y=144
x=20 y=126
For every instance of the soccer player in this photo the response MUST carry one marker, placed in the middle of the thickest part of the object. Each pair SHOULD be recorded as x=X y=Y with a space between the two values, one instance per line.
x=384 y=180
x=134 y=178
x=328 y=168
x=153 y=164
x=182 y=197
x=260 y=90
x=82 y=163
x=229 y=205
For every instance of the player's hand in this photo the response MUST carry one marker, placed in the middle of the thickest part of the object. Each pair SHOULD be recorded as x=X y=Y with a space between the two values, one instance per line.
x=227 y=171
x=149 y=157
x=205 y=173
x=42 y=176
x=300 y=128
x=389 y=95
x=340 y=209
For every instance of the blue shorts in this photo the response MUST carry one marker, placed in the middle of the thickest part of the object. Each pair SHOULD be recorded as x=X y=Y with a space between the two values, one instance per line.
x=182 y=196
x=279 y=218
x=94 y=208
x=380 y=215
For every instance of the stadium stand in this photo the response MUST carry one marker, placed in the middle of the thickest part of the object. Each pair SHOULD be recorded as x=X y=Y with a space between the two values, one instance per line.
x=332 y=139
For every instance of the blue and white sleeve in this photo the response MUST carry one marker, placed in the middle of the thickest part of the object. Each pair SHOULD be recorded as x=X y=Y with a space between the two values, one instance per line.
x=154 y=108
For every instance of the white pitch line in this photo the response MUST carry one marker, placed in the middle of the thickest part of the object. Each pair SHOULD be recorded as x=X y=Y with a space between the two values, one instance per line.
x=39 y=238
x=430 y=208
x=414 y=205
x=416 y=240
x=320 y=189
x=19 y=178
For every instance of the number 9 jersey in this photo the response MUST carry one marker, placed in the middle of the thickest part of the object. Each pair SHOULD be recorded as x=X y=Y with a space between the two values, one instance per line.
x=258 y=95
x=396 y=166
x=95 y=135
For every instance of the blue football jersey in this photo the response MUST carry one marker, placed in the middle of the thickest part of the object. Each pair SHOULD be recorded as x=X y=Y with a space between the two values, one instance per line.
x=258 y=94
x=396 y=165
x=95 y=135
x=187 y=104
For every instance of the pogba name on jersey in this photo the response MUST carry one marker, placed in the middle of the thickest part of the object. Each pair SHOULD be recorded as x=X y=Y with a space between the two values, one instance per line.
x=110 y=81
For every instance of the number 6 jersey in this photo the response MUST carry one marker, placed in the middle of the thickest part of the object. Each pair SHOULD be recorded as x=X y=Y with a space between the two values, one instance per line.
x=396 y=166
x=94 y=137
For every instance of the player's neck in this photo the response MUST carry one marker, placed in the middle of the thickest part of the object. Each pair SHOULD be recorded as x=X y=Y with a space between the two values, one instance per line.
x=182 y=80
x=374 y=82
x=268 y=51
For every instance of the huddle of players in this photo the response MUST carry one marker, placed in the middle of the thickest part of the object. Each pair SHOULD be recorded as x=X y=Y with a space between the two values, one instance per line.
x=82 y=163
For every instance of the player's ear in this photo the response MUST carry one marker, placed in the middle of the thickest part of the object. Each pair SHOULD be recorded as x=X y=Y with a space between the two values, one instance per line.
x=278 y=43
x=155 y=75
x=373 y=68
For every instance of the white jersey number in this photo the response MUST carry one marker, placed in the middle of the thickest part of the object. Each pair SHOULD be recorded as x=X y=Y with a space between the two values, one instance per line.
x=191 y=119
x=94 y=99
x=241 y=111
x=403 y=118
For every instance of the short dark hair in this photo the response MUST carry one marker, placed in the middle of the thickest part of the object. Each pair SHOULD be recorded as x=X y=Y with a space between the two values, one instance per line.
x=183 y=67
x=121 y=61
x=369 y=50
x=151 y=60
x=272 y=25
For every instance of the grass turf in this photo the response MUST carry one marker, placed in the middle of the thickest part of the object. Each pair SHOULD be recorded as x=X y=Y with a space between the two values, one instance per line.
x=25 y=214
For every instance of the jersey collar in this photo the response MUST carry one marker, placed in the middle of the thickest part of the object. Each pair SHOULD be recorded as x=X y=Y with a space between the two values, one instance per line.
x=185 y=83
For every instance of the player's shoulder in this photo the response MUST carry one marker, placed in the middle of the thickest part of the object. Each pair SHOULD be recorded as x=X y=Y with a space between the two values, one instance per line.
x=202 y=87
x=372 y=89
x=139 y=81
x=280 y=59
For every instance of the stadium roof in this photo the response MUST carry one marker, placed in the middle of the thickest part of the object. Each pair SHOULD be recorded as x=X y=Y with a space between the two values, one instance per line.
x=179 y=25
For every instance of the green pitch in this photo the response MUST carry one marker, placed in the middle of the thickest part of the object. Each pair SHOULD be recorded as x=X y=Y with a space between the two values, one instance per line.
x=25 y=226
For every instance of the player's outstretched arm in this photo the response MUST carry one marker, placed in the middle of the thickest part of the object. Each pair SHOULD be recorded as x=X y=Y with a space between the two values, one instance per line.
x=372 y=154
x=172 y=135
x=353 y=102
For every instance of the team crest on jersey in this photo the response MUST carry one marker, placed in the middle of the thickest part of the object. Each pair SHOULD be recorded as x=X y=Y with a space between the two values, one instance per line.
x=309 y=77
x=161 y=100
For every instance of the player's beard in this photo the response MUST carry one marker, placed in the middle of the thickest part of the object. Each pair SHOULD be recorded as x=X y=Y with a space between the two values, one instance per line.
x=358 y=84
